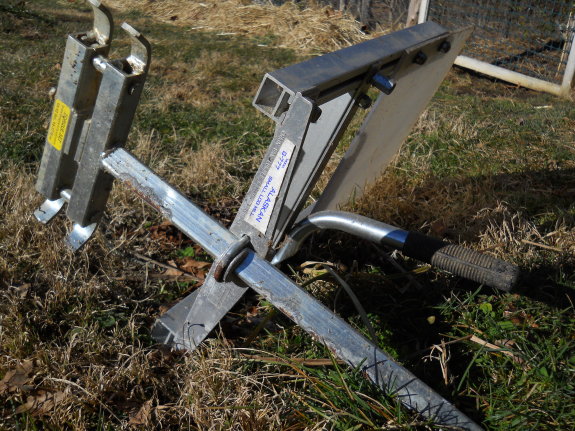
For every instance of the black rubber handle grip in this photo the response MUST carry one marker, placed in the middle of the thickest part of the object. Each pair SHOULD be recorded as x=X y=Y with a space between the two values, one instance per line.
x=461 y=261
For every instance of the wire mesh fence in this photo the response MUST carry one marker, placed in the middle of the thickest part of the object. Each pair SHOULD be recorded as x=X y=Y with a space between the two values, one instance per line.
x=531 y=37
x=371 y=13
x=526 y=36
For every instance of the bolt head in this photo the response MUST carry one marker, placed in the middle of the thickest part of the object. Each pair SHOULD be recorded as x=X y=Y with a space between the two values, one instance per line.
x=420 y=58
x=445 y=47
x=364 y=101
x=384 y=84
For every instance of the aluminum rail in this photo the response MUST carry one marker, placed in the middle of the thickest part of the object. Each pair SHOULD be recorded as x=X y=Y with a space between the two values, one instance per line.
x=322 y=324
x=454 y=258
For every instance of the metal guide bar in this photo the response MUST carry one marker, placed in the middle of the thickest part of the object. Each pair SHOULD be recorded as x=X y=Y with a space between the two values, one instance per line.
x=296 y=303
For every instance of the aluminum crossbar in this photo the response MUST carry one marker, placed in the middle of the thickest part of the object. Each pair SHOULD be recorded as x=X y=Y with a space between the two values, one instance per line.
x=257 y=273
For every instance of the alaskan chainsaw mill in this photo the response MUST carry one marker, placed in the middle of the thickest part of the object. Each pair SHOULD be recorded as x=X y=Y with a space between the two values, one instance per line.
x=312 y=104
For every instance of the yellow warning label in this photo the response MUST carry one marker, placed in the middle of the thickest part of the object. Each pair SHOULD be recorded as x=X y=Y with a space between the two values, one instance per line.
x=59 y=124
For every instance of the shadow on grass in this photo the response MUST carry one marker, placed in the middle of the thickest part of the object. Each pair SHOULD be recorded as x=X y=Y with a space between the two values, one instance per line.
x=408 y=322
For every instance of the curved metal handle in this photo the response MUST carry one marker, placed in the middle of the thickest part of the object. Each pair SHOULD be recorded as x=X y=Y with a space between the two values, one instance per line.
x=103 y=28
x=456 y=259
x=141 y=50
x=354 y=224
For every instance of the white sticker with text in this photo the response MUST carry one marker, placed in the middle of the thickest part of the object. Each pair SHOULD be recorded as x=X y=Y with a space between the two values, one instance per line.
x=263 y=205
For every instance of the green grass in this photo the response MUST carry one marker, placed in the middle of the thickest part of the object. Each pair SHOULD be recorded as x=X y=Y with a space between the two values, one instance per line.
x=489 y=165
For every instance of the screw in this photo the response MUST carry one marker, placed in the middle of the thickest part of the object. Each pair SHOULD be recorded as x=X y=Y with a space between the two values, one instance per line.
x=133 y=89
x=445 y=47
x=364 y=101
x=420 y=58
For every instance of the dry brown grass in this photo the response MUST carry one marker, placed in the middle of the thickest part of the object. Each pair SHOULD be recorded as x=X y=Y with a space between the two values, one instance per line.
x=313 y=28
x=212 y=78
x=464 y=211
x=471 y=209
x=205 y=171
x=52 y=307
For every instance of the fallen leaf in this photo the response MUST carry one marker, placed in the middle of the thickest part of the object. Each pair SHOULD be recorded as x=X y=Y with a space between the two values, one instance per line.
x=505 y=343
x=438 y=228
x=172 y=271
x=41 y=402
x=142 y=416
x=166 y=232
x=18 y=378
x=315 y=263
x=319 y=265
x=497 y=349
x=192 y=265
x=314 y=272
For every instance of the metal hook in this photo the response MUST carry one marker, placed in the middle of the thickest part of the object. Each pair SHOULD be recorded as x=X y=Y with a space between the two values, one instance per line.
x=141 y=51
x=103 y=28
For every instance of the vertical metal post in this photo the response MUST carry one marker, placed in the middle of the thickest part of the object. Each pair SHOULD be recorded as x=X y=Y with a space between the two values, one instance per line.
x=569 y=72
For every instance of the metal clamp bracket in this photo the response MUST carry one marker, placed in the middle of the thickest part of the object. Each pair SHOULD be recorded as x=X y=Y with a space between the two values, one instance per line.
x=75 y=98
x=225 y=265
x=94 y=107
x=114 y=110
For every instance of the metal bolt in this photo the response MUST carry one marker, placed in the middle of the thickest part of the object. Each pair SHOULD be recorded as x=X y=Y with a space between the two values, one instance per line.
x=420 y=58
x=445 y=47
x=133 y=89
x=383 y=84
x=364 y=101
x=100 y=63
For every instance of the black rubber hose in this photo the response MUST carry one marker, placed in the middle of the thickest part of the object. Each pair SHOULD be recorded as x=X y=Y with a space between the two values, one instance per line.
x=461 y=261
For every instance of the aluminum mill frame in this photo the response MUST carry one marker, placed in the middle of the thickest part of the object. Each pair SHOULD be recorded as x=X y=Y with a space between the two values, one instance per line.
x=312 y=104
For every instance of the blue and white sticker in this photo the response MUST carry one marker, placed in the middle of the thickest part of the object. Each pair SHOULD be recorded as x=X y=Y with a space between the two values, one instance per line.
x=263 y=204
